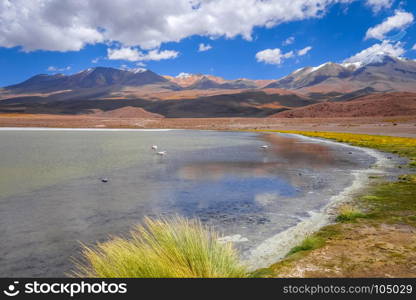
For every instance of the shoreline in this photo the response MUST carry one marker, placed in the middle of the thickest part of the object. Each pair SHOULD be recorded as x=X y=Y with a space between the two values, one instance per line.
x=373 y=235
x=404 y=126
x=81 y=129
x=275 y=248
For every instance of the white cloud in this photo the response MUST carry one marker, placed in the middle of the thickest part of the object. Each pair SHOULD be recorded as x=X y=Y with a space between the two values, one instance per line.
x=384 y=48
x=66 y=25
x=273 y=56
x=56 y=69
x=289 y=41
x=159 y=55
x=95 y=60
x=276 y=56
x=132 y=54
x=47 y=25
x=203 y=47
x=304 y=51
x=377 y=5
x=126 y=53
x=414 y=47
x=400 y=20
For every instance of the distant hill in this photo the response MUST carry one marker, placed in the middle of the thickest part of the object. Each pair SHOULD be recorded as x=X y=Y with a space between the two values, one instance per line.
x=240 y=104
x=204 y=82
x=382 y=73
x=128 y=112
x=186 y=80
x=207 y=83
x=89 y=79
x=381 y=105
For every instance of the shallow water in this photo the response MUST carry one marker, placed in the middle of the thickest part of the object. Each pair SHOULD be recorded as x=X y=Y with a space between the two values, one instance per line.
x=52 y=198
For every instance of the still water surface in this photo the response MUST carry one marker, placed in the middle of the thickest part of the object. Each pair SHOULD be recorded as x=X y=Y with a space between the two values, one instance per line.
x=52 y=198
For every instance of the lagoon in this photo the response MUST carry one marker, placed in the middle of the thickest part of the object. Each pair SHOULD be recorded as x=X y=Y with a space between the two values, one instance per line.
x=52 y=198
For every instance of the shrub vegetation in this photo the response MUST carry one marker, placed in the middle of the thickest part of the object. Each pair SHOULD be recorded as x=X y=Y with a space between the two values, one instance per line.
x=164 y=248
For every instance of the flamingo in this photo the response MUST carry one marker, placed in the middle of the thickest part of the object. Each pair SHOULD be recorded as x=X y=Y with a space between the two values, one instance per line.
x=161 y=153
x=154 y=147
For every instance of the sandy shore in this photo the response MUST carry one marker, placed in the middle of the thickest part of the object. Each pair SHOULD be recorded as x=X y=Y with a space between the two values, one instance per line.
x=394 y=126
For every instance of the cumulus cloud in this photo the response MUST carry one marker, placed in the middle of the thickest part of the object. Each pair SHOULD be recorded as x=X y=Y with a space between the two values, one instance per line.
x=65 y=25
x=159 y=55
x=133 y=54
x=304 y=51
x=290 y=40
x=414 y=47
x=273 y=56
x=47 y=25
x=126 y=53
x=400 y=20
x=56 y=69
x=377 y=5
x=202 y=47
x=384 y=48
x=276 y=56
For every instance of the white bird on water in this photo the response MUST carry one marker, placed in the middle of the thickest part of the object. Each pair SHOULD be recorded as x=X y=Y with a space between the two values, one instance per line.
x=161 y=153
x=264 y=147
x=154 y=147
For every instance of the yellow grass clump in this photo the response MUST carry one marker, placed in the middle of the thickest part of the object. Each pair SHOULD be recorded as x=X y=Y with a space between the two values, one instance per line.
x=348 y=212
x=174 y=248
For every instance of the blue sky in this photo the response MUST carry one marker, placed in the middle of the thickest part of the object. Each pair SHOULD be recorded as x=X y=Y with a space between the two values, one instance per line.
x=248 y=40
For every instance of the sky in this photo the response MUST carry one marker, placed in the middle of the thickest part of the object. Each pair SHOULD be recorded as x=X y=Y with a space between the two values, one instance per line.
x=257 y=39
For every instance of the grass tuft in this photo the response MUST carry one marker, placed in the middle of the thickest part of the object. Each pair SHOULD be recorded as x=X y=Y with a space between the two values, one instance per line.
x=349 y=213
x=174 y=248
x=310 y=243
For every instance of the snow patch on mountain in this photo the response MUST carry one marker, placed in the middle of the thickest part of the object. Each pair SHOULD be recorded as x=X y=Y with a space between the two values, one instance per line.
x=138 y=70
x=183 y=75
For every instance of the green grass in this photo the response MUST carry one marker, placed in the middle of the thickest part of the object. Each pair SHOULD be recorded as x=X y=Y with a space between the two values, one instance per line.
x=310 y=243
x=393 y=202
x=348 y=213
x=174 y=248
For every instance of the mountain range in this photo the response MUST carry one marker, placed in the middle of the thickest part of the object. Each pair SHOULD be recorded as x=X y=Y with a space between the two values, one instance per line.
x=383 y=74
x=198 y=95
x=91 y=78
